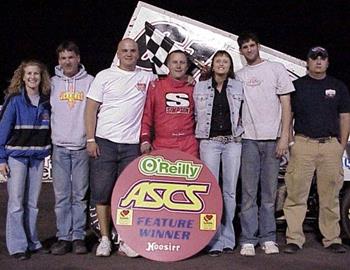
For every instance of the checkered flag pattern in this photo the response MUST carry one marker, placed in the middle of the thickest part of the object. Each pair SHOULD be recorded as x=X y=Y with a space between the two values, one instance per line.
x=158 y=47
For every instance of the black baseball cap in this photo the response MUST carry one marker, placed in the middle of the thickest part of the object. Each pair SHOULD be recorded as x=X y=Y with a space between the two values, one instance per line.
x=314 y=52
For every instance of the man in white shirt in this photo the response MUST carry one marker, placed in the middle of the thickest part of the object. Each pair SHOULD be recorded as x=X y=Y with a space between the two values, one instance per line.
x=113 y=119
x=266 y=115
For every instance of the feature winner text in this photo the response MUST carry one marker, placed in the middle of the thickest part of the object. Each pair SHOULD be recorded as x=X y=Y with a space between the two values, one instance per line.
x=154 y=228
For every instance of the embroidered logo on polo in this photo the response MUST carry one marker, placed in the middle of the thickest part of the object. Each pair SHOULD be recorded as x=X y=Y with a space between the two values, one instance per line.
x=330 y=93
x=253 y=82
x=141 y=87
x=72 y=97
x=177 y=103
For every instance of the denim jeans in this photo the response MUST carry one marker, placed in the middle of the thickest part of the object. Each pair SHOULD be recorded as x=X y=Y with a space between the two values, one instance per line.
x=105 y=169
x=70 y=173
x=23 y=187
x=259 y=169
x=212 y=153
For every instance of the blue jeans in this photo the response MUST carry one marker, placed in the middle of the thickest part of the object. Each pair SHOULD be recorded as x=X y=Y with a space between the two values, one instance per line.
x=259 y=169
x=105 y=169
x=70 y=172
x=23 y=187
x=212 y=153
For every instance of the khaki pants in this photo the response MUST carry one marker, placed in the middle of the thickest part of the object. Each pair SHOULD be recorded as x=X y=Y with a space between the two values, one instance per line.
x=308 y=155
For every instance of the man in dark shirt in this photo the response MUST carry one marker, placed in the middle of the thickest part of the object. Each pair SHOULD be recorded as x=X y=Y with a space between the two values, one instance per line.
x=321 y=106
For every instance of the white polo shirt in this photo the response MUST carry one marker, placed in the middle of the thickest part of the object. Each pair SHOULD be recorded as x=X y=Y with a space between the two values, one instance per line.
x=122 y=95
x=261 y=109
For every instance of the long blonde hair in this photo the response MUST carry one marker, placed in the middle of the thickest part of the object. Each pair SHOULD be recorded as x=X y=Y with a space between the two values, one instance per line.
x=17 y=83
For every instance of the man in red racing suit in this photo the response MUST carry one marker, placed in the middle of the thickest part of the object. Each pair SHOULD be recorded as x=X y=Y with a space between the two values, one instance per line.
x=168 y=117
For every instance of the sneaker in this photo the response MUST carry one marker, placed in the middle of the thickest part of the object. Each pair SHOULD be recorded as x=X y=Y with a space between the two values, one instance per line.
x=79 y=247
x=104 y=248
x=291 y=248
x=247 y=250
x=215 y=253
x=21 y=256
x=337 y=248
x=227 y=250
x=41 y=250
x=61 y=247
x=270 y=247
x=125 y=250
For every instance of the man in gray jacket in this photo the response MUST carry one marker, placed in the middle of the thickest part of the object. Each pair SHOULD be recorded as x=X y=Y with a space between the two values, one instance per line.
x=70 y=160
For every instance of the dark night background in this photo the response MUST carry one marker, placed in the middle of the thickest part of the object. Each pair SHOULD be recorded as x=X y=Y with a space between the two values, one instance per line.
x=35 y=28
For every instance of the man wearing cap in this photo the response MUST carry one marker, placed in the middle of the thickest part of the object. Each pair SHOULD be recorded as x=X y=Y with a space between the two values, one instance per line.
x=320 y=106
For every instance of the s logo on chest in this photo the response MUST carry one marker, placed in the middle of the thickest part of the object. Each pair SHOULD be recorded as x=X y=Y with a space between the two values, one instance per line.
x=177 y=103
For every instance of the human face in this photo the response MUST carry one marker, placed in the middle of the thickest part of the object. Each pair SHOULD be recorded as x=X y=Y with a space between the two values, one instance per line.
x=32 y=77
x=250 y=51
x=221 y=65
x=317 y=67
x=178 y=66
x=128 y=53
x=69 y=62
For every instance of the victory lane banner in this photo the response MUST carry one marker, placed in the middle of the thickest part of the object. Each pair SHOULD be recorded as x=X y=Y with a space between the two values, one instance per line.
x=167 y=205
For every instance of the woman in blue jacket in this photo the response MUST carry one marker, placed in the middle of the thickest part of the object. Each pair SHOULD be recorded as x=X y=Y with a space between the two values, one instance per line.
x=217 y=105
x=24 y=143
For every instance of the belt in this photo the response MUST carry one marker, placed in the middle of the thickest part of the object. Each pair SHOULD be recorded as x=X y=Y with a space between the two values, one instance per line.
x=318 y=139
x=226 y=139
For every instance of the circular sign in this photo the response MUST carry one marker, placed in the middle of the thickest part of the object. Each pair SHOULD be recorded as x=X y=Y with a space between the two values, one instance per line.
x=166 y=206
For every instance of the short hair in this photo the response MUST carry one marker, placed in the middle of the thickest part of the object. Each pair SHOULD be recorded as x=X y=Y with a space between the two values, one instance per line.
x=68 y=45
x=245 y=37
x=230 y=73
x=177 y=51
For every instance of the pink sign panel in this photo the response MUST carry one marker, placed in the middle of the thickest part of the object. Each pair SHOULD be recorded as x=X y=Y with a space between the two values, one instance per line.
x=166 y=206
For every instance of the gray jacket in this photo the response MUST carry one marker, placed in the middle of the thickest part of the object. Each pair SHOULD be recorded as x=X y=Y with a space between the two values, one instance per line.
x=203 y=96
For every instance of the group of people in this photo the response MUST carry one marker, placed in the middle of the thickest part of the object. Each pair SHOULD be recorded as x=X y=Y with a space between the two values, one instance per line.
x=234 y=122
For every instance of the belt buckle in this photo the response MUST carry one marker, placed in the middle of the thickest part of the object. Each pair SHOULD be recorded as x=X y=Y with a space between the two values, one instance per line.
x=322 y=140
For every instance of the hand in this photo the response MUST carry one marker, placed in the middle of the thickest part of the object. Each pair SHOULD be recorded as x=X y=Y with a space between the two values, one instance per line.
x=190 y=80
x=205 y=73
x=145 y=148
x=93 y=149
x=282 y=147
x=4 y=170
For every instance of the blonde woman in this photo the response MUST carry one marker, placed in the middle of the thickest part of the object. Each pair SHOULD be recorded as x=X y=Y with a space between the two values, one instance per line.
x=24 y=143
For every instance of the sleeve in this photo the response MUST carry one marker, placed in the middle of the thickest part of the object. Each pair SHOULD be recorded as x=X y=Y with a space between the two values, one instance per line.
x=195 y=99
x=96 y=89
x=148 y=114
x=344 y=101
x=292 y=101
x=284 y=82
x=7 y=122
x=238 y=76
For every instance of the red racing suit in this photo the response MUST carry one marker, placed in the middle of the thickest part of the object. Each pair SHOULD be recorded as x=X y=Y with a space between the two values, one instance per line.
x=168 y=116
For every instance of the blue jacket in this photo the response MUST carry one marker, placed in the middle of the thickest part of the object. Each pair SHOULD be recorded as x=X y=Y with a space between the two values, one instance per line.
x=203 y=96
x=24 y=128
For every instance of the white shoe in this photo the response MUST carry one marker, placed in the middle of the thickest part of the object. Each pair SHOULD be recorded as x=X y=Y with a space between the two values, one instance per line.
x=104 y=248
x=270 y=247
x=125 y=250
x=247 y=250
